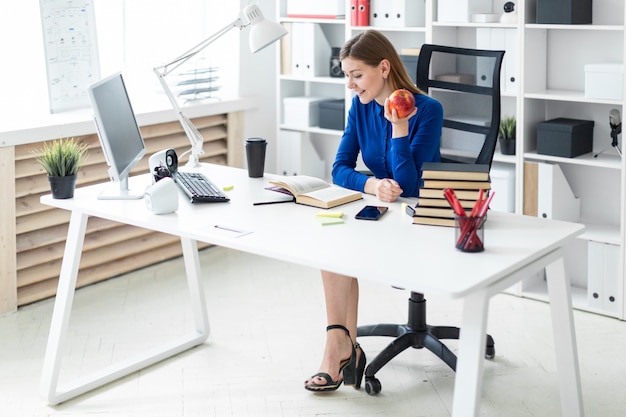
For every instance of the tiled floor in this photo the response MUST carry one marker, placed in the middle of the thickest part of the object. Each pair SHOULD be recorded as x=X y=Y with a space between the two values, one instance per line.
x=267 y=321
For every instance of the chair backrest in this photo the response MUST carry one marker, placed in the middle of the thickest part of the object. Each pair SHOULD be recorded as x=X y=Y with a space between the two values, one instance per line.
x=467 y=83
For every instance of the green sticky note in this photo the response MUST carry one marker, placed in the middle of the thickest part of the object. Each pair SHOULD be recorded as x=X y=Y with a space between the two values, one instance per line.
x=325 y=221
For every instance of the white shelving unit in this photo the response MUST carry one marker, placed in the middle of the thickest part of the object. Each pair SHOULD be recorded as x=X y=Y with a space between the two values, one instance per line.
x=543 y=78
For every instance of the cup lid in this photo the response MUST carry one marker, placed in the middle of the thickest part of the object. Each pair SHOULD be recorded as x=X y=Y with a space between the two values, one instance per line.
x=255 y=140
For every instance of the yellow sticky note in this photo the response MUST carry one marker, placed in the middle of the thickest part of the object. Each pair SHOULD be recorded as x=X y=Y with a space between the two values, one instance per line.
x=334 y=214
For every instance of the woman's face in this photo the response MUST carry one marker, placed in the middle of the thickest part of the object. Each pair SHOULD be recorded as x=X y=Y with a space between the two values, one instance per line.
x=369 y=83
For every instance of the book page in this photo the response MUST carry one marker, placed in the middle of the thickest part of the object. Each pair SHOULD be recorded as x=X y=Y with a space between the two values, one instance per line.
x=301 y=183
x=330 y=193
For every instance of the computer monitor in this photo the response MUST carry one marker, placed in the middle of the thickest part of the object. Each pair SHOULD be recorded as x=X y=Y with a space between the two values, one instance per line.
x=119 y=135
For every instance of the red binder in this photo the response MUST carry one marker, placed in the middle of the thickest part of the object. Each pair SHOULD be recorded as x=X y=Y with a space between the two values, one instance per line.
x=353 y=13
x=363 y=12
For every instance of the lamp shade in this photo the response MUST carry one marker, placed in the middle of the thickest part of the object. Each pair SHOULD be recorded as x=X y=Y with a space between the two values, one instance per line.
x=262 y=32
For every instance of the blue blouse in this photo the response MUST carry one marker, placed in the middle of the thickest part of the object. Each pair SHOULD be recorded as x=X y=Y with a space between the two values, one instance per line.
x=368 y=132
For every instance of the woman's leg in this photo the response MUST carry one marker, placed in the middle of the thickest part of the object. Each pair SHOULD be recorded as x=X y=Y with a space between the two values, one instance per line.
x=341 y=294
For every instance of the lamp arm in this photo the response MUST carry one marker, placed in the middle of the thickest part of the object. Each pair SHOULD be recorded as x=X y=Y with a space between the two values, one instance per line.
x=186 y=56
x=192 y=133
x=194 y=136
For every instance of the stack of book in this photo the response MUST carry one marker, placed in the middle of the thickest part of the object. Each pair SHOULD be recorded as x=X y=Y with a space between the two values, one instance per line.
x=465 y=179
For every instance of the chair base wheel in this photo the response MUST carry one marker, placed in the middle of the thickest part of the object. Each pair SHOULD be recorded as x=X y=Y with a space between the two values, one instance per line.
x=372 y=386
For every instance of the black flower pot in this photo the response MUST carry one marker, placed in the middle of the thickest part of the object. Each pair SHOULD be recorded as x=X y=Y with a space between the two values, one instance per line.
x=507 y=146
x=62 y=187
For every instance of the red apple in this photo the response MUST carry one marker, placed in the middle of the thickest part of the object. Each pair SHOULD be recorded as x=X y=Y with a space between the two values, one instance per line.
x=403 y=101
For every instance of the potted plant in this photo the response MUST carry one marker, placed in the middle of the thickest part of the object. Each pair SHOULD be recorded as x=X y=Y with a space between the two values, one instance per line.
x=507 y=135
x=61 y=160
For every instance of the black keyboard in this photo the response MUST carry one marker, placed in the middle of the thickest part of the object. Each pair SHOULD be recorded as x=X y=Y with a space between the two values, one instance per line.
x=199 y=188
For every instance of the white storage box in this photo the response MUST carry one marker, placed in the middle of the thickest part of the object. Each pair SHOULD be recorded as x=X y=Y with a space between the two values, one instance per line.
x=320 y=9
x=397 y=13
x=461 y=10
x=604 y=81
x=302 y=112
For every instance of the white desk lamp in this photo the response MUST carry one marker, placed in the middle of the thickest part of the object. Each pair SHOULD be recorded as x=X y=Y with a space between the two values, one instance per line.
x=262 y=33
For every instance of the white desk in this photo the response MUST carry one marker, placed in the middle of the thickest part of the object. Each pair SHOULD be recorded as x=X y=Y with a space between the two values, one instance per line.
x=516 y=246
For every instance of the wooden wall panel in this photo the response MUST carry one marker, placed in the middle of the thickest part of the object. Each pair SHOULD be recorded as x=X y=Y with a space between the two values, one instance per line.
x=110 y=248
x=8 y=278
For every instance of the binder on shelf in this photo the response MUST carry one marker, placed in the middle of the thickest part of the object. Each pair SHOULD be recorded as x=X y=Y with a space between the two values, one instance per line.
x=298 y=156
x=530 y=188
x=603 y=277
x=285 y=50
x=363 y=13
x=397 y=13
x=498 y=39
x=354 y=17
x=555 y=198
x=503 y=184
x=310 y=50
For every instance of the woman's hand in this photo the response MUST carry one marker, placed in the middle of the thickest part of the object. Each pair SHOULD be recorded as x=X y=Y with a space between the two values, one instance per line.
x=387 y=190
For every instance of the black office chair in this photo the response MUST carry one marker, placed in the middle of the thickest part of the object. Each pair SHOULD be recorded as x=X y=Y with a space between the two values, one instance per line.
x=467 y=83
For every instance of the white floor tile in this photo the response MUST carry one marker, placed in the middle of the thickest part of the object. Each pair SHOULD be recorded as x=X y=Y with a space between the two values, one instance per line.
x=267 y=328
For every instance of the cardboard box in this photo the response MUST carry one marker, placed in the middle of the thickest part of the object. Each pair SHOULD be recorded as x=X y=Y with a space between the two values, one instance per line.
x=301 y=112
x=319 y=9
x=604 y=81
x=333 y=114
x=565 y=137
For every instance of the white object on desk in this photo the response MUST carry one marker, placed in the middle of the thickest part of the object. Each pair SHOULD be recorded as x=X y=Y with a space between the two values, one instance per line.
x=162 y=197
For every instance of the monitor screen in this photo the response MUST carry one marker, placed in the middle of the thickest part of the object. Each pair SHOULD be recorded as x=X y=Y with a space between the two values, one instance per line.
x=119 y=134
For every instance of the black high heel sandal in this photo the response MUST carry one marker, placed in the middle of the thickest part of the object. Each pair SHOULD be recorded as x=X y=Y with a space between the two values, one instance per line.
x=330 y=384
x=353 y=374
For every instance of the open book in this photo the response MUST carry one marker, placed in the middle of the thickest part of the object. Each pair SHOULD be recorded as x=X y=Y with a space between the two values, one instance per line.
x=314 y=192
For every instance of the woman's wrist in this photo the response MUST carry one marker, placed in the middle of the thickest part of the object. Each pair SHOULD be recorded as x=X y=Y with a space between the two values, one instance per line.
x=400 y=130
x=370 y=185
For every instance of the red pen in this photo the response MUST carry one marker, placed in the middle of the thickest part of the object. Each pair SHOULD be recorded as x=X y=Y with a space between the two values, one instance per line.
x=453 y=201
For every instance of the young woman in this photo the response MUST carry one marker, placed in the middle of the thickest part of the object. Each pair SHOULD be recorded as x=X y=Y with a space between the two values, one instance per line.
x=393 y=149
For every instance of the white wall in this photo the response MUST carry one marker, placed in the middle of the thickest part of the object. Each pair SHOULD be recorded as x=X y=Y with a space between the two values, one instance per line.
x=257 y=77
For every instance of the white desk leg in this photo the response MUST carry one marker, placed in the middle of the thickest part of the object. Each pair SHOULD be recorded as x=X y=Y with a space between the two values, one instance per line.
x=196 y=289
x=63 y=304
x=63 y=309
x=469 y=367
x=564 y=340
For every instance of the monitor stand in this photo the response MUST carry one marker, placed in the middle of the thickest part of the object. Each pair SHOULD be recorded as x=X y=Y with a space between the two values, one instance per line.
x=118 y=190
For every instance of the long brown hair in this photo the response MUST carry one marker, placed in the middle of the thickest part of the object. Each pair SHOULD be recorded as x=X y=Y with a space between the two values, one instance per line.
x=372 y=47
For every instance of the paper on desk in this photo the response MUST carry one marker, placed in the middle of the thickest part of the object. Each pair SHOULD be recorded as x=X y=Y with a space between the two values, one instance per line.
x=230 y=231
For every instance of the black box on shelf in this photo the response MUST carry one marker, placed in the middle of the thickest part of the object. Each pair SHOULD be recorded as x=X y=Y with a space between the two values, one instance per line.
x=565 y=137
x=567 y=12
x=333 y=114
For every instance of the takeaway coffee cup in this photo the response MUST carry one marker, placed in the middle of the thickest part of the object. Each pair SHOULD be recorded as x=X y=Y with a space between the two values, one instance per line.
x=255 y=154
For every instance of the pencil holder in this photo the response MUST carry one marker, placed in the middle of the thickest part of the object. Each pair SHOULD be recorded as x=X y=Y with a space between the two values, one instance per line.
x=469 y=233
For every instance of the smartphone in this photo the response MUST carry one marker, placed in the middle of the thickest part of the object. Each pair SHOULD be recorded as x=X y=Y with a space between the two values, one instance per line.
x=371 y=212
